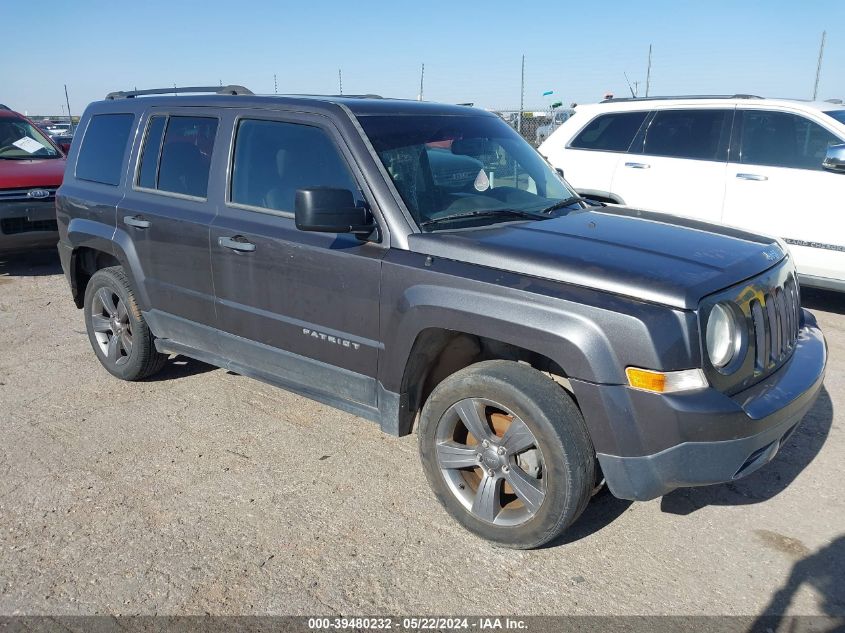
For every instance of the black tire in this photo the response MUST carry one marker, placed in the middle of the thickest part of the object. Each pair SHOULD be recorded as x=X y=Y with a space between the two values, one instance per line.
x=559 y=432
x=142 y=359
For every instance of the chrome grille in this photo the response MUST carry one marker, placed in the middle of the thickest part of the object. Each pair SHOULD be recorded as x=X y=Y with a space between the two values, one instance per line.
x=8 y=195
x=775 y=324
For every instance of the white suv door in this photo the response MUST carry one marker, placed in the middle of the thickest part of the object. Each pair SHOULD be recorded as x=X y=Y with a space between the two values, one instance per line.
x=677 y=165
x=589 y=159
x=776 y=185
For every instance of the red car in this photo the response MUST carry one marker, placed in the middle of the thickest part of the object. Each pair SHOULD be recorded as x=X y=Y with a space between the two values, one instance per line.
x=31 y=169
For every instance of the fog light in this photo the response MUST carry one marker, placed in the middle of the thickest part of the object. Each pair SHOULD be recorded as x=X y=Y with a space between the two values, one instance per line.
x=665 y=381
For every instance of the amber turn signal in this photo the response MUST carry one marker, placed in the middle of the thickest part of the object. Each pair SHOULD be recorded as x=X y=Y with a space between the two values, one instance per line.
x=665 y=381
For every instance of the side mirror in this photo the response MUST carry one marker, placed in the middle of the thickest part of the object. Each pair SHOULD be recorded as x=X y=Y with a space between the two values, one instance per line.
x=835 y=158
x=327 y=210
x=65 y=147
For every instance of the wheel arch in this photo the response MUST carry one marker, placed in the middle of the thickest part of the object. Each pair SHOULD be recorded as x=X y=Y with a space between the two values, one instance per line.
x=433 y=341
x=96 y=245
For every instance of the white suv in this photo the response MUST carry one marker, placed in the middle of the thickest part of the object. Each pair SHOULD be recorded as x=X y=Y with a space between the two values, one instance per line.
x=772 y=166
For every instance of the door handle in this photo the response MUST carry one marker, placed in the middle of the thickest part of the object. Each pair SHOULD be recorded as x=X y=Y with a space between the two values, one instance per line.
x=751 y=177
x=638 y=165
x=137 y=221
x=237 y=243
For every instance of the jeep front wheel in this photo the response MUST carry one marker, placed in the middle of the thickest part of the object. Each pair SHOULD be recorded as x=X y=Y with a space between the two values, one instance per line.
x=507 y=453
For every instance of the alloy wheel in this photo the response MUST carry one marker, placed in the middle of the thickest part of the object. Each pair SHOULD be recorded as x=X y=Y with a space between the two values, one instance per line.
x=111 y=325
x=491 y=461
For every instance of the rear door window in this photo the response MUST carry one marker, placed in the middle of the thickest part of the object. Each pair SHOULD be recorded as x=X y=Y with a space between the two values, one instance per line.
x=103 y=148
x=694 y=134
x=781 y=139
x=273 y=159
x=610 y=132
x=182 y=163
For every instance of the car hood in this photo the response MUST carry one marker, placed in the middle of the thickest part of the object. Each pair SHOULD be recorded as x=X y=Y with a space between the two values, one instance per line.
x=38 y=172
x=650 y=256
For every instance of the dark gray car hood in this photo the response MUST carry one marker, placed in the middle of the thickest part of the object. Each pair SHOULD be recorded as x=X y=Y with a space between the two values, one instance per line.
x=645 y=255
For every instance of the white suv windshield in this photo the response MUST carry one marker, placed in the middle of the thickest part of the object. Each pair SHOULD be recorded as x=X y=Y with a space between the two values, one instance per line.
x=457 y=170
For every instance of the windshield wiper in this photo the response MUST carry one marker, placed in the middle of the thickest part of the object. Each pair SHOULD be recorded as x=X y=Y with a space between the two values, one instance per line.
x=482 y=213
x=567 y=202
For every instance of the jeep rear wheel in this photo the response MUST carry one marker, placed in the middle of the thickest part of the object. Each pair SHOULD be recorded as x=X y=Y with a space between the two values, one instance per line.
x=118 y=333
x=507 y=453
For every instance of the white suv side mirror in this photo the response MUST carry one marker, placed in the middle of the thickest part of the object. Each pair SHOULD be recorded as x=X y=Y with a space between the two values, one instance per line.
x=835 y=158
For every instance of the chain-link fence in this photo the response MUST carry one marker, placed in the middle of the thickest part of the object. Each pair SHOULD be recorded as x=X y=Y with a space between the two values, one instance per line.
x=535 y=126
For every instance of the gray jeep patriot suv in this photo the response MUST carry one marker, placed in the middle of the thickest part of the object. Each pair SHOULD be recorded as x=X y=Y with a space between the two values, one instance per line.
x=421 y=265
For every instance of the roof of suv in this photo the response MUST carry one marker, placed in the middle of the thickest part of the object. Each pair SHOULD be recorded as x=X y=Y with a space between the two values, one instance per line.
x=359 y=105
x=656 y=103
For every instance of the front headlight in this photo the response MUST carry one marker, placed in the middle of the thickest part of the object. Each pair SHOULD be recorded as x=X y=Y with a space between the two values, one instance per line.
x=724 y=338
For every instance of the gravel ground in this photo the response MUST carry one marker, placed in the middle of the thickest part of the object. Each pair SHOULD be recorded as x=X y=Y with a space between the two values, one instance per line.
x=206 y=492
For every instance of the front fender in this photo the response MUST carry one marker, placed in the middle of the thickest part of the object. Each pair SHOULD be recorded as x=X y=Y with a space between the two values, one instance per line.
x=591 y=334
x=572 y=340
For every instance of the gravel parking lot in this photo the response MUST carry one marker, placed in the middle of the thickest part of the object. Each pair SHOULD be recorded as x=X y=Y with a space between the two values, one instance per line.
x=206 y=492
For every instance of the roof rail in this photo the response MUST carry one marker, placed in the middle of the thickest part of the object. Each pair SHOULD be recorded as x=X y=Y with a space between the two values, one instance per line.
x=325 y=96
x=736 y=96
x=219 y=90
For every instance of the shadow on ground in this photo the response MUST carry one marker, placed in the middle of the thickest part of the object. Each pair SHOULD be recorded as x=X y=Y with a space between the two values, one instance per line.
x=35 y=264
x=824 y=300
x=181 y=367
x=771 y=479
x=602 y=510
x=823 y=571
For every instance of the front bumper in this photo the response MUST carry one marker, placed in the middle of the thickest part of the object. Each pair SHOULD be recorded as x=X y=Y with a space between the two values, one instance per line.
x=649 y=444
x=26 y=225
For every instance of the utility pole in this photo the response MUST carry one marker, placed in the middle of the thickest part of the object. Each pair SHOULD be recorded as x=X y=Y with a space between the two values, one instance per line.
x=69 y=118
x=275 y=85
x=521 y=97
x=648 y=72
x=340 y=80
x=422 y=76
x=819 y=67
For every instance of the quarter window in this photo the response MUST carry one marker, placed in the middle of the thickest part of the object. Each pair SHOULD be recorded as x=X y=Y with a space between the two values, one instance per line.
x=273 y=159
x=101 y=155
x=781 y=139
x=152 y=144
x=694 y=134
x=610 y=132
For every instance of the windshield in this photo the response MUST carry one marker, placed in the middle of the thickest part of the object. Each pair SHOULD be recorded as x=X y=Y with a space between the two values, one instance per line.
x=455 y=171
x=839 y=115
x=21 y=140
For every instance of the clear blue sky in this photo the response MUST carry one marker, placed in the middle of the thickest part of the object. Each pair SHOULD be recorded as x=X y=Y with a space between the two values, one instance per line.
x=471 y=50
